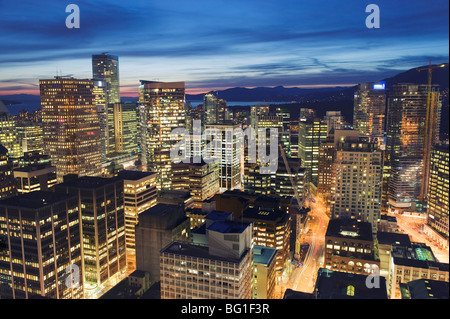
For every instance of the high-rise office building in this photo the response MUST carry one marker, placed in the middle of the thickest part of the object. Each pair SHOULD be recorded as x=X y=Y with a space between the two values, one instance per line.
x=105 y=72
x=71 y=126
x=157 y=227
x=100 y=101
x=334 y=120
x=7 y=183
x=8 y=133
x=122 y=128
x=356 y=188
x=162 y=109
x=220 y=269
x=140 y=194
x=438 y=190
x=285 y=134
x=200 y=179
x=101 y=205
x=406 y=144
x=327 y=157
x=256 y=112
x=223 y=112
x=42 y=235
x=105 y=67
x=34 y=177
x=311 y=134
x=369 y=109
x=254 y=181
x=271 y=228
x=231 y=157
x=210 y=108
x=287 y=177
x=30 y=135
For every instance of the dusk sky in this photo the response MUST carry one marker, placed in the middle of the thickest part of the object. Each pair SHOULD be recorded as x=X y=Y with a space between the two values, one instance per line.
x=219 y=44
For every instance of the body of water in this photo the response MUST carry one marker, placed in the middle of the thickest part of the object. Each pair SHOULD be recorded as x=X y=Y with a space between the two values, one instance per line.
x=16 y=108
x=234 y=103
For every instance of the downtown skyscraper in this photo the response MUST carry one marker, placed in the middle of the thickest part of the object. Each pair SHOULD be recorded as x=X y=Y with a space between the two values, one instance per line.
x=71 y=126
x=438 y=190
x=105 y=72
x=311 y=134
x=105 y=67
x=406 y=142
x=369 y=109
x=162 y=109
x=356 y=185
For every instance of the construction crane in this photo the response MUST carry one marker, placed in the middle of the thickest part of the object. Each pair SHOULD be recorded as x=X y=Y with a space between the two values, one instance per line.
x=430 y=128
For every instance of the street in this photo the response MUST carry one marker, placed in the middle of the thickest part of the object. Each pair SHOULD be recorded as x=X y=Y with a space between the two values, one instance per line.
x=412 y=225
x=303 y=277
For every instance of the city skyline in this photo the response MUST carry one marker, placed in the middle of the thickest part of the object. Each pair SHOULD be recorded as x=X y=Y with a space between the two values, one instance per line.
x=118 y=182
x=210 y=45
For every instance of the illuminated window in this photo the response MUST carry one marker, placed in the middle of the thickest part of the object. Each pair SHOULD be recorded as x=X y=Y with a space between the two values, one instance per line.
x=350 y=291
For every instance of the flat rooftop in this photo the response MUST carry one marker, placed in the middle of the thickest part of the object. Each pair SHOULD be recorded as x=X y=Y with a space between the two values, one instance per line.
x=428 y=289
x=229 y=227
x=134 y=175
x=89 y=182
x=349 y=228
x=342 y=285
x=387 y=238
x=216 y=215
x=263 y=255
x=196 y=251
x=35 y=200
x=162 y=216
x=264 y=214
x=34 y=168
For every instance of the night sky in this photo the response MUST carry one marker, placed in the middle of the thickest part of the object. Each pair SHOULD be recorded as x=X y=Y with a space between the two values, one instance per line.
x=218 y=44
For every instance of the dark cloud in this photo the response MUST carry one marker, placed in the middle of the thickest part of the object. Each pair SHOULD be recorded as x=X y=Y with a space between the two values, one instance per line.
x=286 y=42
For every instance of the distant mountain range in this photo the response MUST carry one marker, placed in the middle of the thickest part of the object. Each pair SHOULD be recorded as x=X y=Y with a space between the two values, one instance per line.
x=283 y=94
x=335 y=95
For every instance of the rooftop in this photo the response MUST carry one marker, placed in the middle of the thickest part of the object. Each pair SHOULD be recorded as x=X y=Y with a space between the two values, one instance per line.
x=34 y=200
x=134 y=175
x=341 y=285
x=387 y=238
x=196 y=251
x=388 y=218
x=264 y=214
x=88 y=182
x=229 y=227
x=162 y=216
x=263 y=255
x=34 y=167
x=349 y=228
x=216 y=215
x=425 y=289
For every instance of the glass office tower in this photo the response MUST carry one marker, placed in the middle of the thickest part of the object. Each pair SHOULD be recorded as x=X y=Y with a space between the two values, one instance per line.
x=162 y=109
x=71 y=126
x=405 y=142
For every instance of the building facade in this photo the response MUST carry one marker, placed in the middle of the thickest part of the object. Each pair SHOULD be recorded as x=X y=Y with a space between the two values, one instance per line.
x=41 y=232
x=101 y=202
x=71 y=126
x=357 y=176
x=162 y=109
